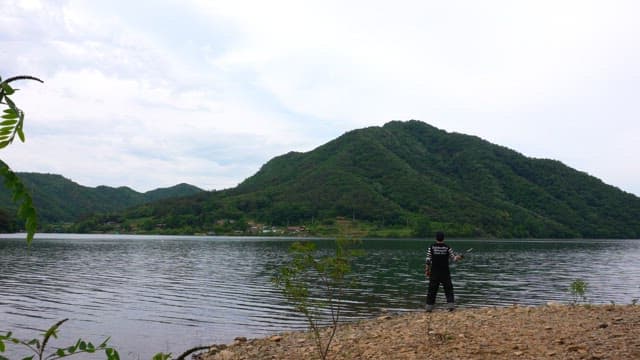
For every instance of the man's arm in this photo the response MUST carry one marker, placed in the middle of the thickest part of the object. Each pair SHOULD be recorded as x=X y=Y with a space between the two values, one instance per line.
x=427 y=265
x=454 y=256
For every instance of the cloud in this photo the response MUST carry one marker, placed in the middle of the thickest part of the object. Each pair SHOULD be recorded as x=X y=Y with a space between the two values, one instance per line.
x=207 y=91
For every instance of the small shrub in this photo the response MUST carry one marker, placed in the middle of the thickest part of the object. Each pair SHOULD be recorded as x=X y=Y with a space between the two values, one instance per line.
x=578 y=290
x=297 y=278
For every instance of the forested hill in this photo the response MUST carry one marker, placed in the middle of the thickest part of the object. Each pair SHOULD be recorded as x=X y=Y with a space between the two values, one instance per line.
x=58 y=199
x=414 y=178
x=405 y=171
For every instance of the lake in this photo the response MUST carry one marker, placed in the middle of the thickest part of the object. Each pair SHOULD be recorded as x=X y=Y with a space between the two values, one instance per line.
x=170 y=293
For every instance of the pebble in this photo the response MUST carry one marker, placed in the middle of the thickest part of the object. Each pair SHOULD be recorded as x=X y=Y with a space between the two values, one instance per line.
x=225 y=355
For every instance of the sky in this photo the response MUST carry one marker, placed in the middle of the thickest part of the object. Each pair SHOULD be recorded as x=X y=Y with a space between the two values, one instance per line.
x=149 y=94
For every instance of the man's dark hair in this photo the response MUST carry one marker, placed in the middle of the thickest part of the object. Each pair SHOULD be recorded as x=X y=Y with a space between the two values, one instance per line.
x=440 y=236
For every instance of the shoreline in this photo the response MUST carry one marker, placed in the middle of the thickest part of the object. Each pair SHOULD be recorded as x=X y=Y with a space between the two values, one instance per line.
x=552 y=331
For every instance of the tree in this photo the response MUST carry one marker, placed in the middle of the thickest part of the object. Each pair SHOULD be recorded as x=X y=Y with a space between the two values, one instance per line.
x=11 y=126
x=422 y=227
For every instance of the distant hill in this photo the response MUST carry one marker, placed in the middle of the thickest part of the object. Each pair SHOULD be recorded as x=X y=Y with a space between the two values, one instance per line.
x=59 y=199
x=408 y=177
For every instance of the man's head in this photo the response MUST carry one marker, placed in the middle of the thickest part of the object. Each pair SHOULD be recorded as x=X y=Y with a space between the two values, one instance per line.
x=439 y=236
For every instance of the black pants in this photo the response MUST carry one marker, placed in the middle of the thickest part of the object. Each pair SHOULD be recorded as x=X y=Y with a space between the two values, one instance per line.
x=434 y=283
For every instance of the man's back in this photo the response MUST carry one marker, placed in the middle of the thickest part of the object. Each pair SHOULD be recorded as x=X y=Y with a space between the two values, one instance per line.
x=439 y=254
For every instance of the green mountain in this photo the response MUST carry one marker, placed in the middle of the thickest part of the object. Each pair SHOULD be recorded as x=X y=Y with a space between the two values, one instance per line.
x=405 y=171
x=58 y=199
x=412 y=175
x=401 y=179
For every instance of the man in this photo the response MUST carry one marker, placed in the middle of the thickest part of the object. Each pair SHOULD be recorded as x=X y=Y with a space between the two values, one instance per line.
x=437 y=270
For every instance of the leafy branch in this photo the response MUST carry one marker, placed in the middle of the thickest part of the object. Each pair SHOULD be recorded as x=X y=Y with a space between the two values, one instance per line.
x=11 y=124
x=20 y=194
x=13 y=117
x=39 y=347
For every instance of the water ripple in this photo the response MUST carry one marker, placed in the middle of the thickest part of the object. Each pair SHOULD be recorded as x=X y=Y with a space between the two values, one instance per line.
x=168 y=293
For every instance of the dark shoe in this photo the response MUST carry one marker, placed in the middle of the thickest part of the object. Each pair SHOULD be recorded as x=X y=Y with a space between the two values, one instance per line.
x=451 y=306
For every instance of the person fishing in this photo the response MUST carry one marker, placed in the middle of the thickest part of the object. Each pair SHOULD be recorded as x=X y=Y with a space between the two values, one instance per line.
x=437 y=270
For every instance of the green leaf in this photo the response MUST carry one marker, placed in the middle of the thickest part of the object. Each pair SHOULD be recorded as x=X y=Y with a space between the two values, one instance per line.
x=104 y=343
x=20 y=134
x=10 y=118
x=2 y=346
x=8 y=90
x=60 y=352
x=11 y=104
x=161 y=356
x=28 y=358
x=112 y=354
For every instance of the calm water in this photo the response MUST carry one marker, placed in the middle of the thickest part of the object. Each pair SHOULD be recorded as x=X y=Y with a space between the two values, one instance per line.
x=160 y=293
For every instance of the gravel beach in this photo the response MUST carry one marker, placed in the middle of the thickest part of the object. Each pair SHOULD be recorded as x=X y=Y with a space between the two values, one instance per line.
x=552 y=331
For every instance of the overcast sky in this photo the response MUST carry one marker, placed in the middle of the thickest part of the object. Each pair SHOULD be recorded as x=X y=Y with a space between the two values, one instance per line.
x=150 y=94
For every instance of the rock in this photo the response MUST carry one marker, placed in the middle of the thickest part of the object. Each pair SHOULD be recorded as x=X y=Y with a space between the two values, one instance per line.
x=240 y=339
x=213 y=349
x=225 y=355
x=603 y=326
x=275 y=338
x=385 y=317
x=577 y=348
x=518 y=353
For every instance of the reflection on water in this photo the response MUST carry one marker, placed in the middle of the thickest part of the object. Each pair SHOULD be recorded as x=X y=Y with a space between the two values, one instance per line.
x=170 y=293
